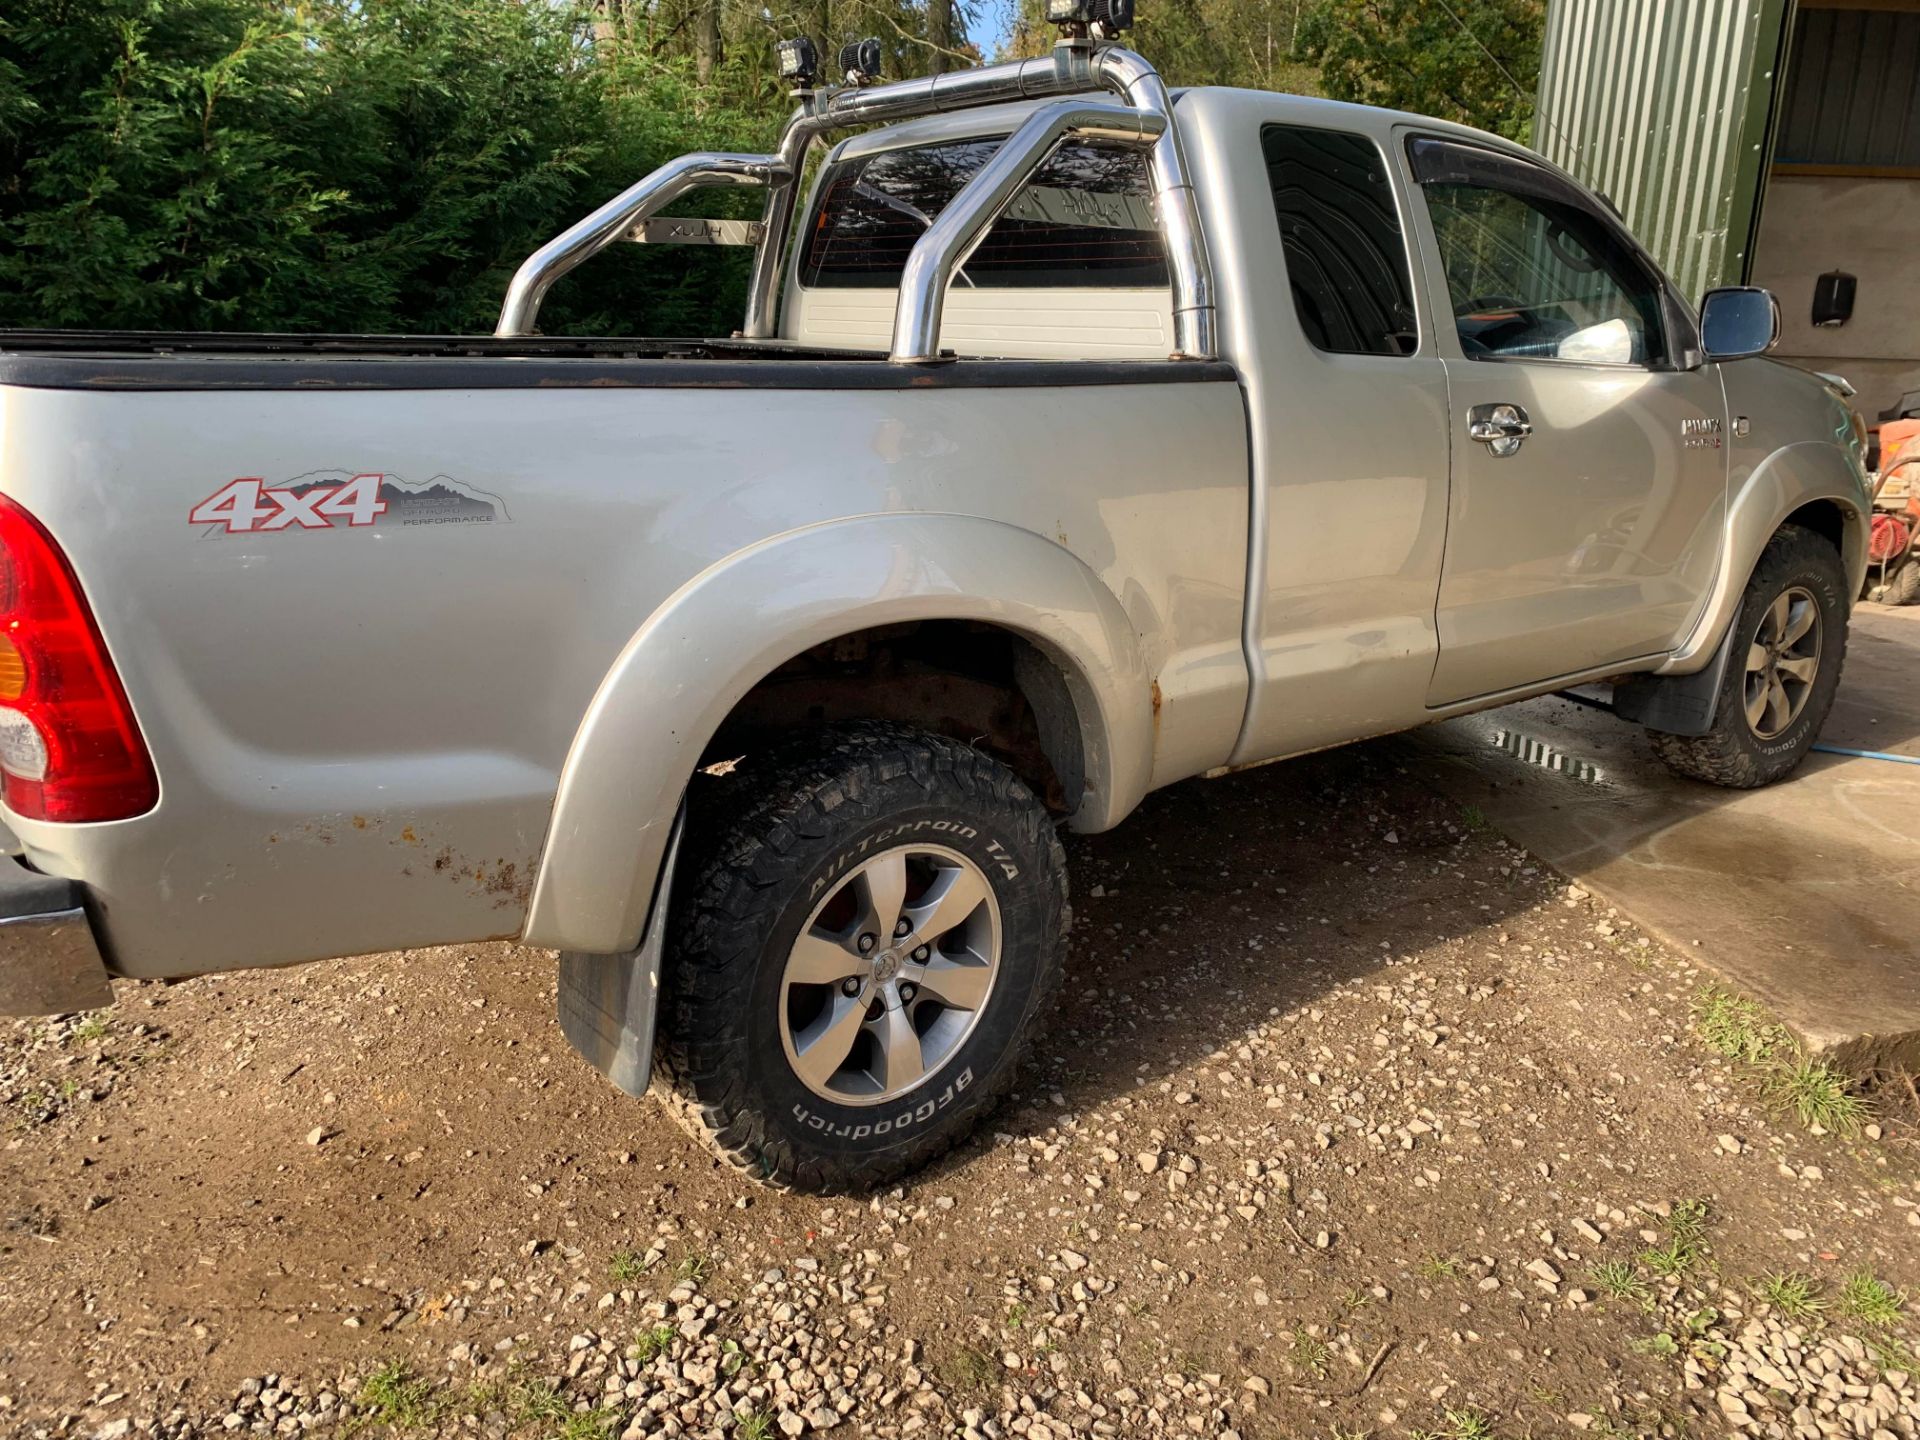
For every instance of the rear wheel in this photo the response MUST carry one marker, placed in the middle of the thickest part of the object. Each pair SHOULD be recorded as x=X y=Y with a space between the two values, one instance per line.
x=1789 y=642
x=869 y=935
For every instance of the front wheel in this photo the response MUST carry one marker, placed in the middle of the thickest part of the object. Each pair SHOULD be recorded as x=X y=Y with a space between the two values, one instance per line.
x=1789 y=642
x=868 y=937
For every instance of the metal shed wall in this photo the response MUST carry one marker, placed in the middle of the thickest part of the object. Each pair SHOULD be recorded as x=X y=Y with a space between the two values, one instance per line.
x=1852 y=97
x=1664 y=106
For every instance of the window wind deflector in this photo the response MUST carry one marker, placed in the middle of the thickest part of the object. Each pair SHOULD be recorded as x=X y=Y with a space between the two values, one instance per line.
x=1448 y=162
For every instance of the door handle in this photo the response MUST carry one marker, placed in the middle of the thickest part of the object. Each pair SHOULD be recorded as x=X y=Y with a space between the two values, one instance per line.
x=1500 y=427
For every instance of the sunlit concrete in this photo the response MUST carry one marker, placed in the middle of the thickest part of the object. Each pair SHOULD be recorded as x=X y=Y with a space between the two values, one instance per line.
x=1805 y=895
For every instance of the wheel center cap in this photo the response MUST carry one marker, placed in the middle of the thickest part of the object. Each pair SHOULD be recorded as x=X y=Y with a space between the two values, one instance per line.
x=886 y=965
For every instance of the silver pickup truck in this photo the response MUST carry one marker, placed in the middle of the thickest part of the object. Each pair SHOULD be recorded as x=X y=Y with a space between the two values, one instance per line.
x=1079 y=438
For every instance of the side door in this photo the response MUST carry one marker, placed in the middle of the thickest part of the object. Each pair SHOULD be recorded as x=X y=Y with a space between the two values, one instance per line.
x=1589 y=478
x=1347 y=413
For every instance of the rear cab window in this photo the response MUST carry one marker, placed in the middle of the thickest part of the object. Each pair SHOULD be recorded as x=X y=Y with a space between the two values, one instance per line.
x=1086 y=220
x=1346 y=252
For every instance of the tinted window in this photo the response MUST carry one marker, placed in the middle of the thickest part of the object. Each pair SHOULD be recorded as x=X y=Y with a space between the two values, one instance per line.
x=1086 y=220
x=1533 y=270
x=1346 y=257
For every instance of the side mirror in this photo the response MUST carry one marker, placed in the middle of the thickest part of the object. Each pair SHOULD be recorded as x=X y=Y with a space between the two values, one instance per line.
x=1739 y=321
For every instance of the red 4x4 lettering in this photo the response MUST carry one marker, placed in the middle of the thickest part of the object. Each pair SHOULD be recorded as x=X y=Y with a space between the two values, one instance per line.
x=246 y=505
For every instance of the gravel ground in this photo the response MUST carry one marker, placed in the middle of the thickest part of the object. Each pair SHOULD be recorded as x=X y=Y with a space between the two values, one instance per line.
x=1355 y=1120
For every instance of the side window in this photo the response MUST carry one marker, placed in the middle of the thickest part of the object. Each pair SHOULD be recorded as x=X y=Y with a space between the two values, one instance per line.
x=1534 y=272
x=1346 y=255
x=1086 y=220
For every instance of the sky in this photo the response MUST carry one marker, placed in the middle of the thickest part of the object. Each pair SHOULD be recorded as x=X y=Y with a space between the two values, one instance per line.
x=991 y=25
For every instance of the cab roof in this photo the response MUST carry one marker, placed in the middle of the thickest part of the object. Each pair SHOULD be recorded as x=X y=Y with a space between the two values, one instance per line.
x=1193 y=102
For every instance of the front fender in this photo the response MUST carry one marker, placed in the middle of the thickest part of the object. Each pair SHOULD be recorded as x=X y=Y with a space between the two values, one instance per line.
x=1781 y=483
x=740 y=619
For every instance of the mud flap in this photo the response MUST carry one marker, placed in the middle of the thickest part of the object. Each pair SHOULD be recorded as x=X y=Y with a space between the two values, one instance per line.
x=608 y=1003
x=1676 y=704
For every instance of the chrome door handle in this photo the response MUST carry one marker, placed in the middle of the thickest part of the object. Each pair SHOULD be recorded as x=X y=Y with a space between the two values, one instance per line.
x=1500 y=427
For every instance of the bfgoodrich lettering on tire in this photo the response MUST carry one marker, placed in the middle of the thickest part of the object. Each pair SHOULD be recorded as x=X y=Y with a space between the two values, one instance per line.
x=867 y=936
x=1789 y=641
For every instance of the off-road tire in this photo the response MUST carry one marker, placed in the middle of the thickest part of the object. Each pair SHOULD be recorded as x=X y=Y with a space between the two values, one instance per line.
x=1730 y=754
x=1903 y=588
x=760 y=842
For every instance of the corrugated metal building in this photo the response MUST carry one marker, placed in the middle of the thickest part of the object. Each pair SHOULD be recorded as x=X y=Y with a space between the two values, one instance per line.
x=1757 y=141
x=1850 y=104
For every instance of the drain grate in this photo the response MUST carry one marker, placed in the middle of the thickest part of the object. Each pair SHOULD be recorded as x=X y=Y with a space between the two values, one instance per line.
x=1538 y=752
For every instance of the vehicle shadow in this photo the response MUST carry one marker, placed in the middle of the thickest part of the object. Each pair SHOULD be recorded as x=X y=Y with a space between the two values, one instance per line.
x=1222 y=904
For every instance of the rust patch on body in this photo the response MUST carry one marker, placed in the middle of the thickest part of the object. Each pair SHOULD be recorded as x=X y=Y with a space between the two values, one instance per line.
x=507 y=885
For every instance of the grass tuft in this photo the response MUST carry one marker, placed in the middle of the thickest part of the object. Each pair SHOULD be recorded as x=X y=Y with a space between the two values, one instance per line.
x=1458 y=1425
x=93 y=1028
x=396 y=1397
x=534 y=1401
x=1736 y=1027
x=1794 y=1294
x=1439 y=1267
x=694 y=1268
x=627 y=1266
x=1309 y=1354
x=587 y=1425
x=1619 y=1280
x=1818 y=1094
x=970 y=1369
x=753 y=1425
x=1812 y=1090
x=1685 y=1246
x=1890 y=1353
x=652 y=1343
x=1869 y=1299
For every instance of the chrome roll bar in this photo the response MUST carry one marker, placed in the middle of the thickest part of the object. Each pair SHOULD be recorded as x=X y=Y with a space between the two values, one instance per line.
x=1195 y=309
x=619 y=217
x=1074 y=67
x=994 y=186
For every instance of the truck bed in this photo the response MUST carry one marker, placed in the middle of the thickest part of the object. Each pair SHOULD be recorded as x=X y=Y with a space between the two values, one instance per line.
x=211 y=360
x=360 y=724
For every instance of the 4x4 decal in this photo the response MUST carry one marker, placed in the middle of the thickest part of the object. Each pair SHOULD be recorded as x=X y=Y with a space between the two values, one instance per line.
x=343 y=499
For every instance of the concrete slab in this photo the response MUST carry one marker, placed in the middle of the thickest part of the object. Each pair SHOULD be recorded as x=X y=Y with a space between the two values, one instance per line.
x=1805 y=895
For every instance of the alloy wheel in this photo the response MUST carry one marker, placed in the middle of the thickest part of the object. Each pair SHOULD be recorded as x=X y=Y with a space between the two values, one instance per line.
x=890 y=974
x=1783 y=658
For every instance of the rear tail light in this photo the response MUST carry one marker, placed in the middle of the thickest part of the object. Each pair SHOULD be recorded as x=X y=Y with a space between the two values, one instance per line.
x=69 y=747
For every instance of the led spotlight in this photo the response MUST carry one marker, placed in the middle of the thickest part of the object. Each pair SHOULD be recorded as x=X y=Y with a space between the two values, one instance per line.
x=860 y=61
x=797 y=60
